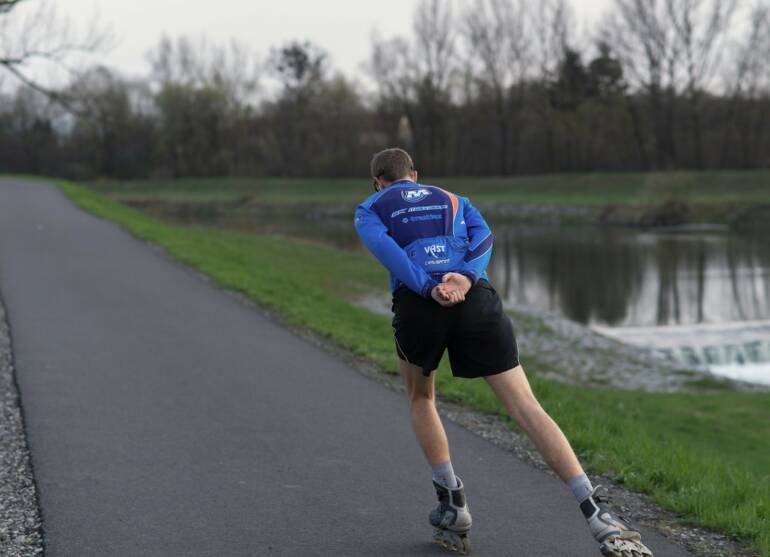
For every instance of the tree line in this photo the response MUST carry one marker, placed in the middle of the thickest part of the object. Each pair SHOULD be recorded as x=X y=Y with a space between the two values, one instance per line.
x=499 y=87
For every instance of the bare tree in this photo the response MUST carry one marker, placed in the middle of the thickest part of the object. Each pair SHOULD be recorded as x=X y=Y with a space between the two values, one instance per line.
x=389 y=67
x=34 y=33
x=116 y=134
x=671 y=47
x=399 y=65
x=748 y=82
x=699 y=28
x=641 y=34
x=645 y=41
x=31 y=146
x=434 y=56
x=416 y=81
x=436 y=46
x=554 y=36
x=750 y=70
x=498 y=40
x=203 y=92
x=231 y=68
x=554 y=24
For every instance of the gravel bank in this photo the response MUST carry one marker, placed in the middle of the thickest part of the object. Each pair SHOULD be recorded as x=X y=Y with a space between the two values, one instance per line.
x=568 y=351
x=564 y=350
x=20 y=525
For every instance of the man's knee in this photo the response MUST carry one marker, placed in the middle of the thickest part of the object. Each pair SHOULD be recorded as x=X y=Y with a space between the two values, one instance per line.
x=420 y=390
x=529 y=413
x=513 y=389
x=525 y=407
x=418 y=387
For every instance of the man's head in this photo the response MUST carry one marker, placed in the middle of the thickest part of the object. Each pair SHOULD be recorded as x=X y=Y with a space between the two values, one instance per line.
x=392 y=165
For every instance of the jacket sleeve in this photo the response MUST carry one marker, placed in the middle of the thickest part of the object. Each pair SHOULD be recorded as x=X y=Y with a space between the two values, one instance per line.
x=375 y=236
x=480 y=238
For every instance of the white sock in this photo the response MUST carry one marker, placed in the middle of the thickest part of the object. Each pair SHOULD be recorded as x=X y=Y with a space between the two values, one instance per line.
x=581 y=487
x=444 y=474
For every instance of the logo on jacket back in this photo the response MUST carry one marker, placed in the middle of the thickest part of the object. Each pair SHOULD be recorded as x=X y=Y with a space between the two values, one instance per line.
x=413 y=196
x=435 y=250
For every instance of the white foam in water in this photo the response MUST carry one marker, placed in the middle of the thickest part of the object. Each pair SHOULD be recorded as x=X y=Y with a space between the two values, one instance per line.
x=753 y=373
x=738 y=350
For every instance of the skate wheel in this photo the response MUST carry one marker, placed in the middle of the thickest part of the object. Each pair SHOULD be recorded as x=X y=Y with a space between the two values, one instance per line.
x=625 y=546
x=466 y=546
x=459 y=543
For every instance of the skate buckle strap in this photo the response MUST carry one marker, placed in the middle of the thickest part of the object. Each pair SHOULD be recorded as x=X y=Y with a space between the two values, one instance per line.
x=447 y=519
x=599 y=501
x=458 y=497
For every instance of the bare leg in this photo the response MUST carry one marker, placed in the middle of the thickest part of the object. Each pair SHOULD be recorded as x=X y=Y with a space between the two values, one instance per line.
x=513 y=390
x=451 y=520
x=420 y=391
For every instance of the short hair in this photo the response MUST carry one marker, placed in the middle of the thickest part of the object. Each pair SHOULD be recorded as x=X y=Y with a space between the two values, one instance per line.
x=391 y=164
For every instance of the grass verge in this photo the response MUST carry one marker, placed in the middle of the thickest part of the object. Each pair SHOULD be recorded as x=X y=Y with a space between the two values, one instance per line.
x=703 y=455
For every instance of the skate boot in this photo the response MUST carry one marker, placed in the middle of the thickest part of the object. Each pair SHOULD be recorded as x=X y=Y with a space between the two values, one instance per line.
x=451 y=519
x=615 y=536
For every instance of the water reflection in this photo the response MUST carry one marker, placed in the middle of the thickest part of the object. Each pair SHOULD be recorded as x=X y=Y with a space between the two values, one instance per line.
x=702 y=300
x=626 y=278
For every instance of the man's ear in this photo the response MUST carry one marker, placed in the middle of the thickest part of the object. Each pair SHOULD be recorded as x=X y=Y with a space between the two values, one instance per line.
x=414 y=175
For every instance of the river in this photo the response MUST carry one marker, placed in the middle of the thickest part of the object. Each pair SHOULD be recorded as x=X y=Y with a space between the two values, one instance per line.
x=702 y=298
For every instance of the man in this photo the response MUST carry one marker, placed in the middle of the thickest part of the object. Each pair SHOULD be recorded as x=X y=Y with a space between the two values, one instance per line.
x=436 y=246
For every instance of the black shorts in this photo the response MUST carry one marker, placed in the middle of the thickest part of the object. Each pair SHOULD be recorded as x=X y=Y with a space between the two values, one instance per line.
x=477 y=333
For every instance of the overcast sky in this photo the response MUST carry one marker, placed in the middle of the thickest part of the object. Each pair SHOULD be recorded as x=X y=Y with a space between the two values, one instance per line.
x=341 y=27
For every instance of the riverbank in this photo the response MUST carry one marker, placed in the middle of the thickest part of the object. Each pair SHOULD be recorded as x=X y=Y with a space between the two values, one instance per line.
x=700 y=454
x=729 y=198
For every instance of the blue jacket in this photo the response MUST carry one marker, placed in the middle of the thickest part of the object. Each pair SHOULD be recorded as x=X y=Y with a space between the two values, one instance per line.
x=421 y=232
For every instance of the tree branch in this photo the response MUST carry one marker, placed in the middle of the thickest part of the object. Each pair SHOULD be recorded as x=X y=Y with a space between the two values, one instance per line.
x=7 y=5
x=55 y=96
x=42 y=35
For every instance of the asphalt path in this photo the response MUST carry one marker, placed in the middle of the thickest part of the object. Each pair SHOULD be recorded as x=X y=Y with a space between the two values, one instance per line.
x=165 y=418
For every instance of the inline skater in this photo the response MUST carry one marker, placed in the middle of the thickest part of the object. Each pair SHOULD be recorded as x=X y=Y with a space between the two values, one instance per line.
x=436 y=246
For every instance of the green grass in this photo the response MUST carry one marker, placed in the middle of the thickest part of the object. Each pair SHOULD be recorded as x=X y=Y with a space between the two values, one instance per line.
x=703 y=455
x=590 y=189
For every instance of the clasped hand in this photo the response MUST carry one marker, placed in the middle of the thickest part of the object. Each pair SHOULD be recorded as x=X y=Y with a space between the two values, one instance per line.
x=452 y=289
